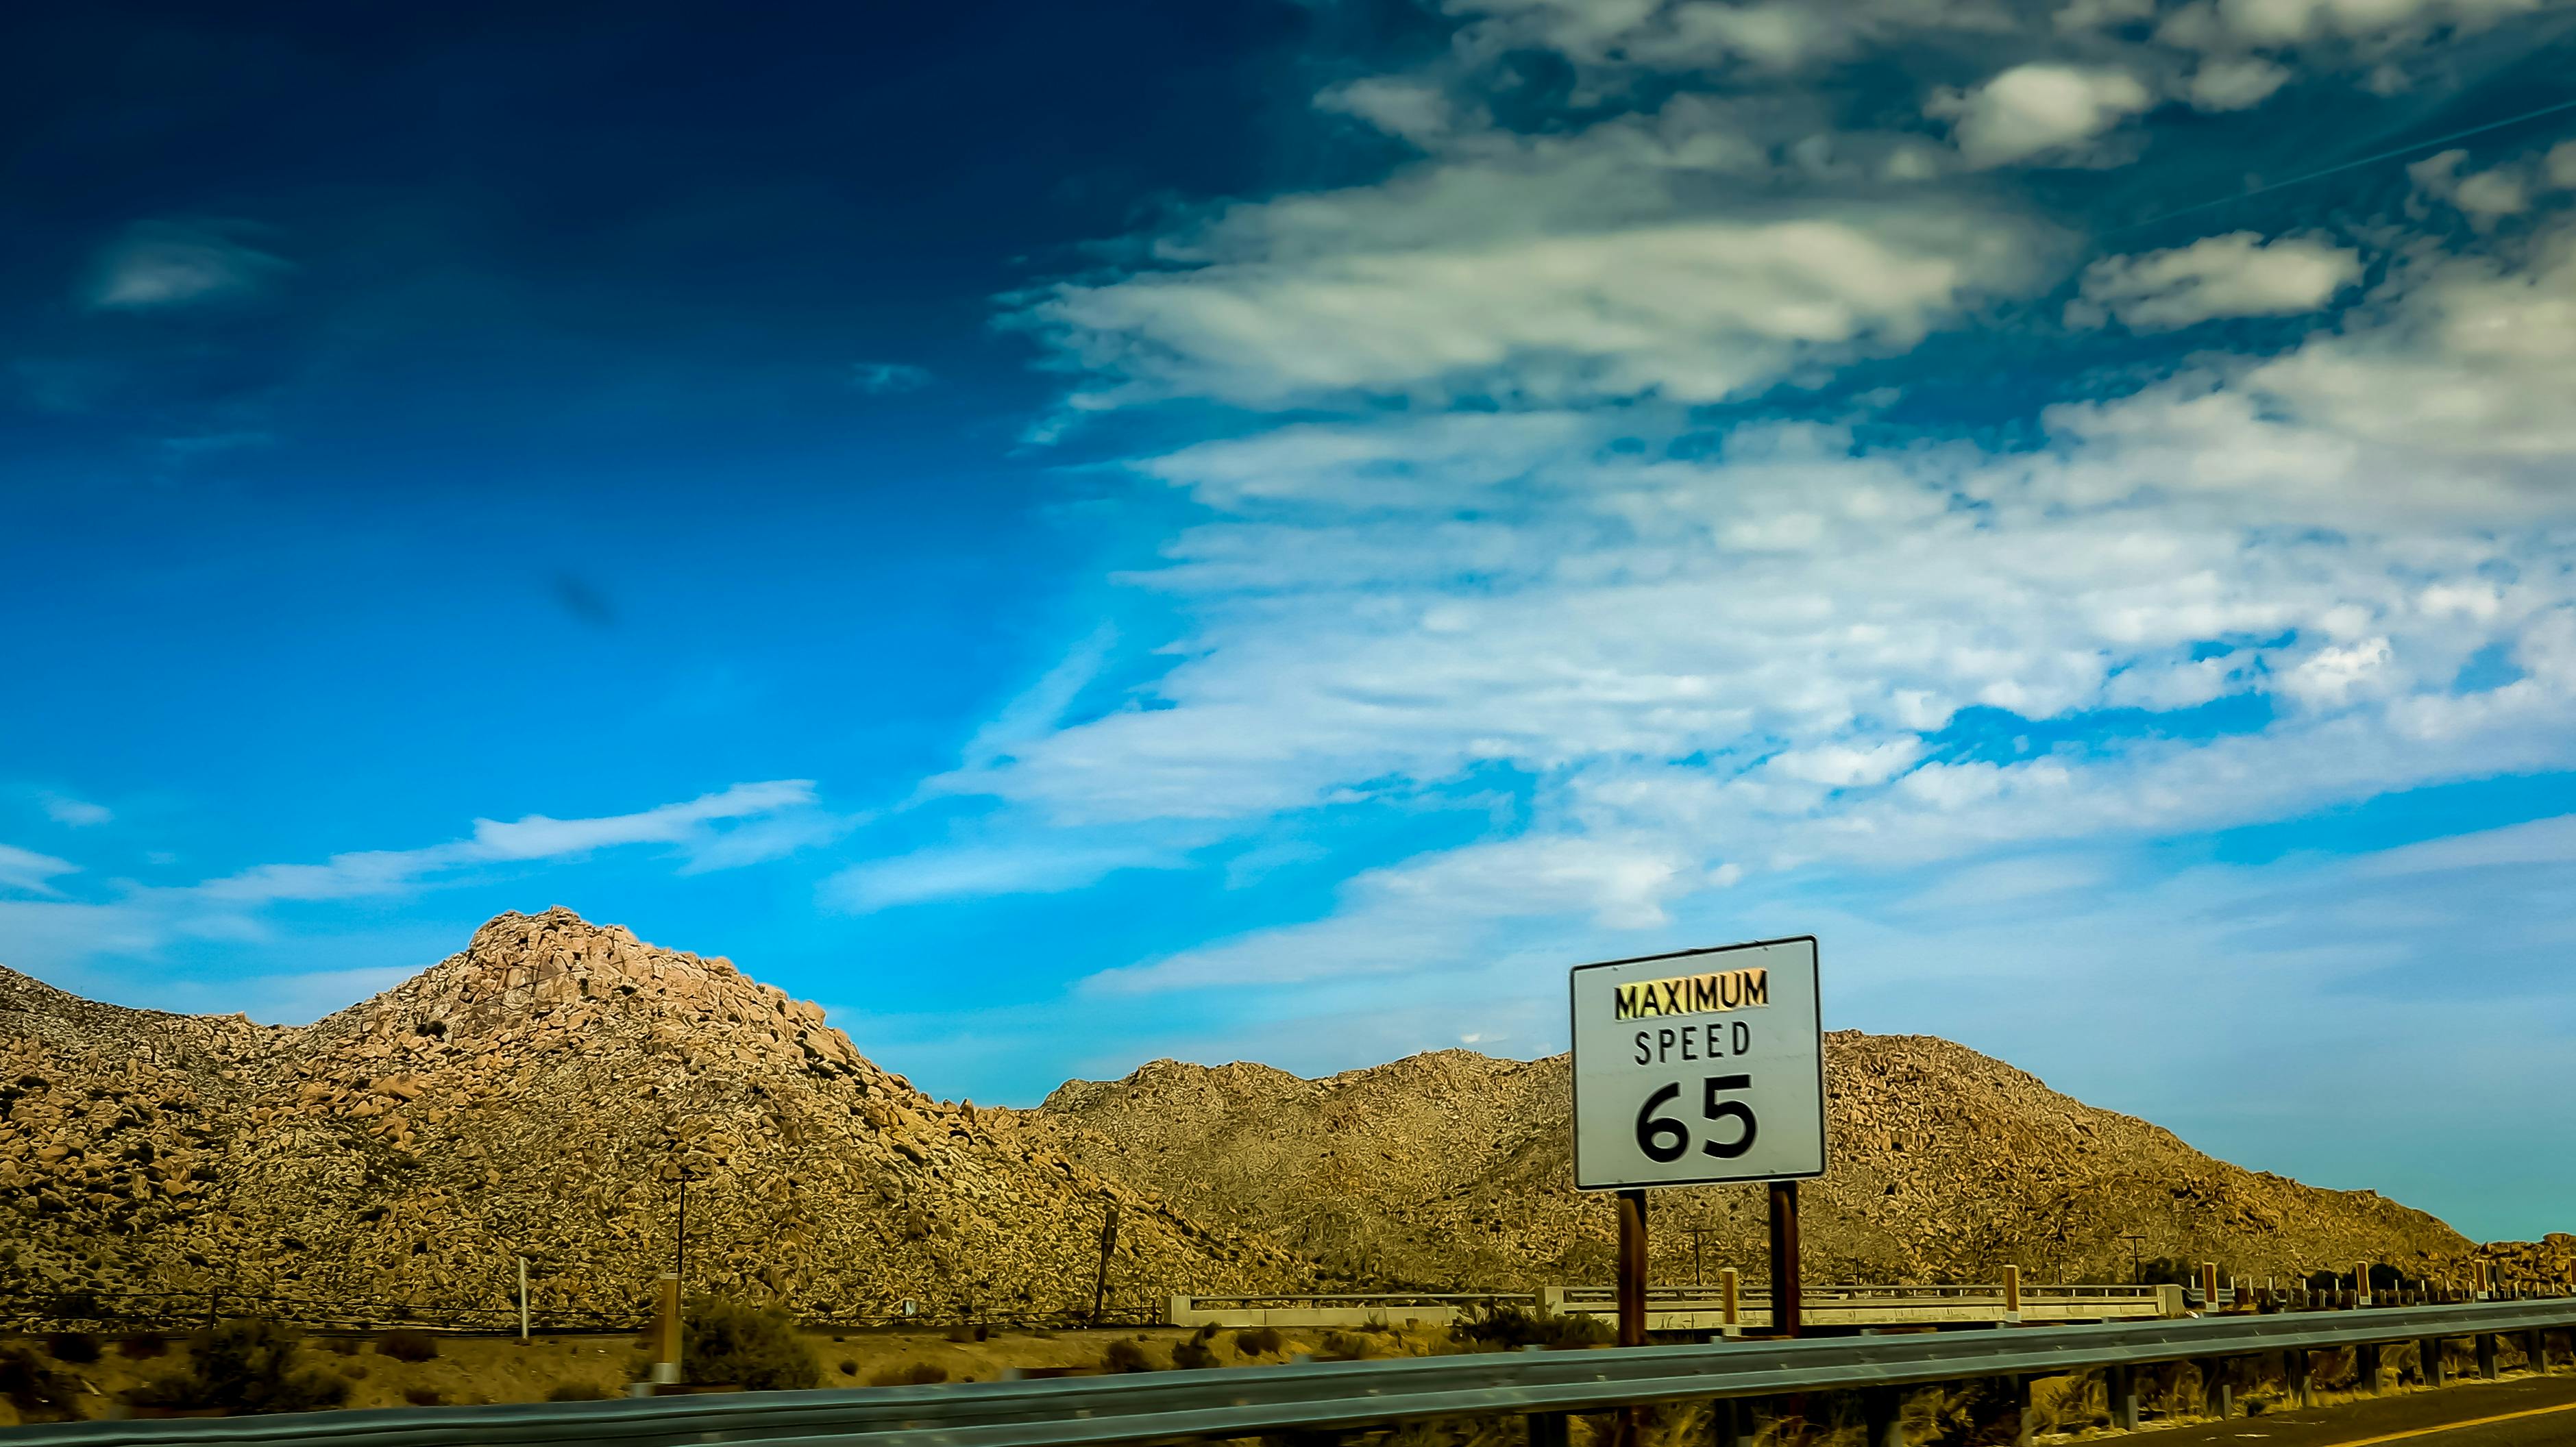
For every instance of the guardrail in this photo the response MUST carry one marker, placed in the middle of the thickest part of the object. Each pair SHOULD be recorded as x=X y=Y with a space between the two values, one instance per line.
x=1428 y=1308
x=1734 y=1311
x=1337 y=1396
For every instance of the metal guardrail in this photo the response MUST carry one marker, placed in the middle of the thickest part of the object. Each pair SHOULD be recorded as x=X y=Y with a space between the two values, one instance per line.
x=1322 y=1396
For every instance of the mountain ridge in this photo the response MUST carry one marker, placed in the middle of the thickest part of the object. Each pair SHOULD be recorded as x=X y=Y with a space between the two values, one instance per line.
x=543 y=1092
x=1946 y=1164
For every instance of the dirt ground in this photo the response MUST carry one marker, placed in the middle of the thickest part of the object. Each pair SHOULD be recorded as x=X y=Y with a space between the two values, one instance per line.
x=471 y=1369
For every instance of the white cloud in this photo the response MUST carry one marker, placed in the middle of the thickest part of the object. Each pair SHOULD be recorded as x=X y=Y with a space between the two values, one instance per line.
x=2038 y=108
x=28 y=872
x=1720 y=667
x=2236 y=275
x=983 y=871
x=883 y=378
x=1407 y=109
x=2473 y=357
x=158 y=264
x=74 y=813
x=730 y=828
x=2286 y=22
x=2541 y=841
x=535 y=837
x=1447 y=906
x=2235 y=84
x=2485 y=197
x=1690 y=309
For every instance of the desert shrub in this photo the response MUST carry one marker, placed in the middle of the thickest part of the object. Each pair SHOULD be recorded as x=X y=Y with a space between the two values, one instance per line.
x=342 y=1346
x=79 y=1304
x=727 y=1342
x=849 y=1368
x=40 y=1393
x=142 y=1345
x=423 y=1396
x=1125 y=1356
x=965 y=1333
x=1505 y=1327
x=243 y=1366
x=72 y=1348
x=407 y=1345
x=1346 y=1346
x=1260 y=1342
x=1193 y=1355
x=577 y=1392
x=919 y=1374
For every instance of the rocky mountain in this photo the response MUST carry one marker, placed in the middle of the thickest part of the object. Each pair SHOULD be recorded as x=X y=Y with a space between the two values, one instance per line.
x=546 y=1092
x=543 y=1093
x=1452 y=1169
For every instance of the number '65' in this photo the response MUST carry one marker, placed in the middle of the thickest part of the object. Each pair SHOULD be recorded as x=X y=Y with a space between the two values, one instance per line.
x=1664 y=1140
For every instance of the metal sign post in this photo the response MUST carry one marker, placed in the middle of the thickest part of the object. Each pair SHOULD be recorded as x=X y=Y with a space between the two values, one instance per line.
x=1786 y=1306
x=1632 y=1268
x=1695 y=1068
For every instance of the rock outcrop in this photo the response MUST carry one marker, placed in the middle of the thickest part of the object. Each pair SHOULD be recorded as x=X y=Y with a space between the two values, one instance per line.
x=1452 y=1169
x=543 y=1094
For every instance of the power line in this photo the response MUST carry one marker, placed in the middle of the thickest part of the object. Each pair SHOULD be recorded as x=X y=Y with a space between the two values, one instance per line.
x=2408 y=149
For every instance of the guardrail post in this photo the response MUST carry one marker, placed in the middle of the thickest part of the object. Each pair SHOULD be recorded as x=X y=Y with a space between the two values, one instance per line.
x=1726 y=1423
x=2300 y=1367
x=2535 y=1345
x=2487 y=1356
x=1885 y=1409
x=2218 y=1388
x=1548 y=1429
x=2024 y=1428
x=2365 y=1363
x=2428 y=1353
x=2120 y=1385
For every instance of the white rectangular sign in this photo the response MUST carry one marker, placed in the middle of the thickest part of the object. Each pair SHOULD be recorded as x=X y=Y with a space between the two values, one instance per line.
x=1707 y=1065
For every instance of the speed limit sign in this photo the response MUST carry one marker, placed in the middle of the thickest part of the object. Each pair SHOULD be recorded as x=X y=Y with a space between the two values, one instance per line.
x=1702 y=1066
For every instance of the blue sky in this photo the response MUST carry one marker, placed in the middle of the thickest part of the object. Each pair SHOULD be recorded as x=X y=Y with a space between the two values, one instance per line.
x=1269 y=531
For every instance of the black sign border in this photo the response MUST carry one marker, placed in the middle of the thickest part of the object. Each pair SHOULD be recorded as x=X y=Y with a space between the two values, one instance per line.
x=1574 y=1077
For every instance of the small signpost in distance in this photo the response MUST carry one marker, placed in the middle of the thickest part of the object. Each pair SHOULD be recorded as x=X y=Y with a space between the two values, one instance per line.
x=1693 y=1068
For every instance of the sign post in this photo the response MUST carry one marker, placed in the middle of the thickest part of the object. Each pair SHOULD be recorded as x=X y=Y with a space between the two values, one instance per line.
x=1694 y=1068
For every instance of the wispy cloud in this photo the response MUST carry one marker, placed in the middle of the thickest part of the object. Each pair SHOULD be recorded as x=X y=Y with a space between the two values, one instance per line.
x=687 y=825
x=74 y=813
x=984 y=870
x=729 y=829
x=165 y=264
x=27 y=871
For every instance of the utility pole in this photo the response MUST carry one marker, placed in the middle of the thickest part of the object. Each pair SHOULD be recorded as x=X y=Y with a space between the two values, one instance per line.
x=2133 y=1239
x=1699 y=1239
x=680 y=1246
x=1108 y=1244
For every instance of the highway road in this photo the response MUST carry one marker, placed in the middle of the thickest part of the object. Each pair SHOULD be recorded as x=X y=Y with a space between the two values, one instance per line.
x=2515 y=1412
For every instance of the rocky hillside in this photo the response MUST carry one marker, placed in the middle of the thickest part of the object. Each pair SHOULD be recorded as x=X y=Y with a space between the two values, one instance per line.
x=544 y=1092
x=541 y=1093
x=1451 y=1169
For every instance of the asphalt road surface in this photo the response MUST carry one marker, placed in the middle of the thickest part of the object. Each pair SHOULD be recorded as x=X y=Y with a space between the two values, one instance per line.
x=2514 y=1412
